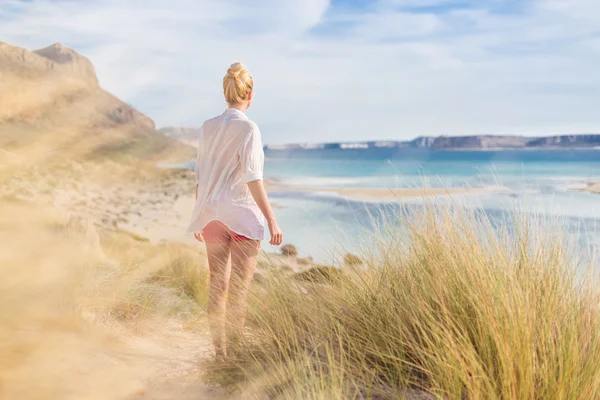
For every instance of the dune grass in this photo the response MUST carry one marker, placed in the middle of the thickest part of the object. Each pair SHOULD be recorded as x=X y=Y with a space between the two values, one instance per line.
x=71 y=297
x=453 y=307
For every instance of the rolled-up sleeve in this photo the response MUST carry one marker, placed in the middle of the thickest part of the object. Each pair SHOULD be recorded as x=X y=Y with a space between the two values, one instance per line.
x=252 y=157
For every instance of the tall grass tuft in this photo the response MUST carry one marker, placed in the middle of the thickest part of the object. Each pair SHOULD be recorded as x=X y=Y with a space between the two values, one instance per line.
x=455 y=306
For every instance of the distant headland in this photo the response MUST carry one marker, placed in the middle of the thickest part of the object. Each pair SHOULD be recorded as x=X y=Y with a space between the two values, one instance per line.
x=477 y=142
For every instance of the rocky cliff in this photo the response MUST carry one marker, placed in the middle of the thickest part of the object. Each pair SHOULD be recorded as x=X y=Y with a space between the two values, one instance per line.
x=69 y=61
x=565 y=141
x=51 y=97
x=479 y=142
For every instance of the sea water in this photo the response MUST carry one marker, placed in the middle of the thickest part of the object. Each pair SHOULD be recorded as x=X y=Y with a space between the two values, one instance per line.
x=325 y=226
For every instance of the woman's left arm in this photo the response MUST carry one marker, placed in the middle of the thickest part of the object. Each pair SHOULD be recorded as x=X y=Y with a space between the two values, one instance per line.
x=253 y=160
x=199 y=156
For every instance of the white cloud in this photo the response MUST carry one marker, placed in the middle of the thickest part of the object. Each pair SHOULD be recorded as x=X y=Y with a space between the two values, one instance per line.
x=396 y=26
x=385 y=72
x=424 y=3
x=581 y=9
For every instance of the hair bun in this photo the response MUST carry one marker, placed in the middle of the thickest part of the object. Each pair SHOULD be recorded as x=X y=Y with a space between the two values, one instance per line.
x=236 y=69
x=237 y=83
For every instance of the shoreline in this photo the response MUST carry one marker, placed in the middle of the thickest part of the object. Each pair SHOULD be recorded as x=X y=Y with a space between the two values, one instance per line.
x=157 y=205
x=376 y=194
x=167 y=219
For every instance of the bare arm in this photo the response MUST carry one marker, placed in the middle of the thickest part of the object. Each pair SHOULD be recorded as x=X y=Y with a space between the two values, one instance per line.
x=257 y=189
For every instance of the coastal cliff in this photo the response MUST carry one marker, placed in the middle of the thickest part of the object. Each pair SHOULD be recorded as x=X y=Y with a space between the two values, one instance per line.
x=478 y=142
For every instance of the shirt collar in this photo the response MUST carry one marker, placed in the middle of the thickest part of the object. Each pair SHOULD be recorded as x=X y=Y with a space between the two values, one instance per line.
x=235 y=111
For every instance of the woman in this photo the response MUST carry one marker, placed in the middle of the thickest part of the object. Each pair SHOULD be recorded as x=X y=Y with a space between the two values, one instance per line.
x=231 y=202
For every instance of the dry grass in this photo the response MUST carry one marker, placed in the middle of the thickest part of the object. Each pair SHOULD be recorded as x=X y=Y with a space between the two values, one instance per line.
x=70 y=297
x=83 y=311
x=453 y=308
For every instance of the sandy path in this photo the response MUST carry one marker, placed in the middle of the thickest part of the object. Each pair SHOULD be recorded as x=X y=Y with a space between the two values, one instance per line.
x=162 y=363
x=176 y=374
x=181 y=389
x=168 y=363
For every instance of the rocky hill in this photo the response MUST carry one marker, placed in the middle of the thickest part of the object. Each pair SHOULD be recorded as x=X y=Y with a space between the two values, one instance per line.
x=50 y=98
x=69 y=60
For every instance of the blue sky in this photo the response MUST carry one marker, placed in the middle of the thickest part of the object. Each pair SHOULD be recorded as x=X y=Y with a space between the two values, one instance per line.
x=332 y=70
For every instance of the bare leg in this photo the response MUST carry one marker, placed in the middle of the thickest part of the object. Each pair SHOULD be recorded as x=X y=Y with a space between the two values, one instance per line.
x=220 y=271
x=243 y=264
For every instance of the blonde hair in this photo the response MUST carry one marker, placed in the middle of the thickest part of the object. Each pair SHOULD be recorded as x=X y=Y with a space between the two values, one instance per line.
x=237 y=83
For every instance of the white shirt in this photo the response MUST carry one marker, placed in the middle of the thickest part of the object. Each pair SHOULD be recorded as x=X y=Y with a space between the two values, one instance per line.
x=230 y=154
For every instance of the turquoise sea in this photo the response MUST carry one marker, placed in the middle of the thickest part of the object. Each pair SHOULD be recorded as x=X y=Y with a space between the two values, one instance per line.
x=324 y=225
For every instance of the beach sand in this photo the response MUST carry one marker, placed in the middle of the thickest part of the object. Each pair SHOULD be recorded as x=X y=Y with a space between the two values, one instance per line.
x=591 y=187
